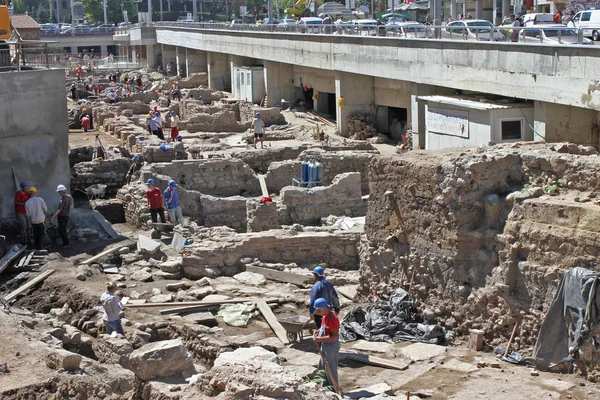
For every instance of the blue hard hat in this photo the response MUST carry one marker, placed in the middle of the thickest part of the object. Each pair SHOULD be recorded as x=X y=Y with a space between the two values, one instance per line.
x=178 y=137
x=321 y=303
x=24 y=184
x=172 y=183
x=319 y=271
x=150 y=182
x=258 y=114
x=136 y=157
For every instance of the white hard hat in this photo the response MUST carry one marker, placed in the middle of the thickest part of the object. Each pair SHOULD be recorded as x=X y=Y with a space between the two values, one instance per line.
x=61 y=188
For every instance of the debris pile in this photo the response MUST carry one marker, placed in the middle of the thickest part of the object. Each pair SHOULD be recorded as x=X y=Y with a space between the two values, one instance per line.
x=361 y=126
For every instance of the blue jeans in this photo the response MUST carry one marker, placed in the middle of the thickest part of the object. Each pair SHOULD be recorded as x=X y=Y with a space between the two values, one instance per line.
x=114 y=326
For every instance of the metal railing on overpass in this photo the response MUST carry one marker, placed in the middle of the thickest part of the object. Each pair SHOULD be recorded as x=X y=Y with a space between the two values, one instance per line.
x=548 y=35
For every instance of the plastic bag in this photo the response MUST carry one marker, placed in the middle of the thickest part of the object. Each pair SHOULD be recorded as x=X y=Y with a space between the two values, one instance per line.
x=236 y=314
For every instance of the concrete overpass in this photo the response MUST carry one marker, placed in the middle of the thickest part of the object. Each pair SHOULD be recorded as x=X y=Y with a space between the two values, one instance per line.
x=372 y=72
x=102 y=42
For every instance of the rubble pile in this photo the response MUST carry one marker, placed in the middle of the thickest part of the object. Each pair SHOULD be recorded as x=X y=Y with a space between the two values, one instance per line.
x=361 y=126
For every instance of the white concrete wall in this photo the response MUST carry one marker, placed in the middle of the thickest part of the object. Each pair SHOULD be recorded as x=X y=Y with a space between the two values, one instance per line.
x=34 y=136
x=555 y=122
x=480 y=130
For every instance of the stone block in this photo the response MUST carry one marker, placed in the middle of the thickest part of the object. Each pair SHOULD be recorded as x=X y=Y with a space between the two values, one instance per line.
x=158 y=359
x=63 y=359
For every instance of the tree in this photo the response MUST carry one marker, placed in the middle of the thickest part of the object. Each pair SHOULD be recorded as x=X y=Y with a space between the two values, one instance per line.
x=94 y=10
x=41 y=14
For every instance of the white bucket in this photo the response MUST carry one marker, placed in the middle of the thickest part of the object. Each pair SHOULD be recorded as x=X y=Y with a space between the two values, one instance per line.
x=185 y=222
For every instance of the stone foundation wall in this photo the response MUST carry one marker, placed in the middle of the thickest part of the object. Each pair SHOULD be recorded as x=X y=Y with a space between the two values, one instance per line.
x=110 y=172
x=260 y=159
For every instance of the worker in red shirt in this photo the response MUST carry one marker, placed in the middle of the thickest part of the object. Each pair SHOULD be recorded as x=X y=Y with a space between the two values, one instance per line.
x=155 y=202
x=329 y=339
x=21 y=214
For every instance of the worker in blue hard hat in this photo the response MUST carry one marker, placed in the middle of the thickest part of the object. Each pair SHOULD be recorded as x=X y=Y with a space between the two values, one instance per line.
x=135 y=167
x=328 y=338
x=155 y=202
x=25 y=234
x=172 y=203
x=322 y=288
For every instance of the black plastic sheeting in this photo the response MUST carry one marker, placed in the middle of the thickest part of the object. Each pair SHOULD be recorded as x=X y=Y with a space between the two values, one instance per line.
x=571 y=321
x=390 y=321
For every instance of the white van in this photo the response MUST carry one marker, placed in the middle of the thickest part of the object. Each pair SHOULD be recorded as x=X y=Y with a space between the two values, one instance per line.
x=589 y=22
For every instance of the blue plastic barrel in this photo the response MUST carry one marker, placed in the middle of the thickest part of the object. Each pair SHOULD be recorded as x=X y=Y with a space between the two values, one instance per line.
x=319 y=171
x=305 y=173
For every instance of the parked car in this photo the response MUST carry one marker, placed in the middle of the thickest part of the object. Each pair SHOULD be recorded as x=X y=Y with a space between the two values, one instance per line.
x=365 y=27
x=267 y=22
x=472 y=29
x=589 y=22
x=538 y=18
x=287 y=21
x=310 y=24
x=124 y=24
x=64 y=27
x=103 y=28
x=410 y=29
x=49 y=29
x=237 y=22
x=551 y=34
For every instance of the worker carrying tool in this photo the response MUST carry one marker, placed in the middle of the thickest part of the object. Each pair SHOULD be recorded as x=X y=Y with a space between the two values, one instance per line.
x=322 y=288
x=327 y=339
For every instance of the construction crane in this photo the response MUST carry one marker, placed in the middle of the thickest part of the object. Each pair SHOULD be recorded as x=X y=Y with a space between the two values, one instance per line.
x=4 y=33
x=301 y=8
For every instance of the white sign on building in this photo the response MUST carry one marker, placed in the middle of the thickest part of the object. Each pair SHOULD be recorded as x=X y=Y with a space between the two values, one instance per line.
x=448 y=122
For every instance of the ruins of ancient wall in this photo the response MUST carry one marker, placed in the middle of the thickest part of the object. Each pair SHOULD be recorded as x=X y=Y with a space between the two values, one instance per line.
x=110 y=172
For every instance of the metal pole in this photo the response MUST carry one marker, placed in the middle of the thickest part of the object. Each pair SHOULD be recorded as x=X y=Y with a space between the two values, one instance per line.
x=149 y=11
x=270 y=11
x=278 y=9
x=105 y=17
x=194 y=10
x=227 y=11
x=57 y=13
x=161 y=10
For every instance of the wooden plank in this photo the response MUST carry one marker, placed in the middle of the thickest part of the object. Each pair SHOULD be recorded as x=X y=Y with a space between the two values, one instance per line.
x=12 y=295
x=279 y=330
x=184 y=309
x=377 y=361
x=199 y=303
x=280 y=276
x=25 y=260
x=263 y=186
x=104 y=253
x=11 y=259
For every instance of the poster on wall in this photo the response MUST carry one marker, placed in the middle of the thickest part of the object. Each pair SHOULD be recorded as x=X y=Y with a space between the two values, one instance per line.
x=446 y=121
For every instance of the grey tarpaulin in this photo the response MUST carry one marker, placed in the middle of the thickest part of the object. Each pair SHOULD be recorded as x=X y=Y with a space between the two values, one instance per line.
x=389 y=321
x=570 y=321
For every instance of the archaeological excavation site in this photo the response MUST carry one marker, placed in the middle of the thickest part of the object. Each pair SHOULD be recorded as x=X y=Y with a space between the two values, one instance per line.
x=209 y=262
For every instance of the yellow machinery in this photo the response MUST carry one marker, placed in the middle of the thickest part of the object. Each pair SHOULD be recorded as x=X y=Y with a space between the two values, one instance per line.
x=4 y=20
x=301 y=8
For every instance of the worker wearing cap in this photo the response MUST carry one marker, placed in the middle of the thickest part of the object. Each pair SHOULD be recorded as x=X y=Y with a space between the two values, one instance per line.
x=322 y=288
x=179 y=147
x=172 y=203
x=328 y=337
x=21 y=214
x=257 y=127
x=135 y=167
x=36 y=211
x=63 y=212
x=201 y=100
x=174 y=125
x=155 y=202
x=112 y=309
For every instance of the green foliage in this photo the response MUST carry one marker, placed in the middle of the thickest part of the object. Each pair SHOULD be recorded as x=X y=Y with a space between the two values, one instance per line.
x=320 y=378
x=94 y=11
x=41 y=13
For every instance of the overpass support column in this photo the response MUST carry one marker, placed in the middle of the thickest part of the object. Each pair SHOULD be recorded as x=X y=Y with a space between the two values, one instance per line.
x=452 y=10
x=151 y=56
x=358 y=93
x=196 y=61
x=219 y=77
x=505 y=8
x=180 y=59
x=104 y=50
x=279 y=82
x=169 y=55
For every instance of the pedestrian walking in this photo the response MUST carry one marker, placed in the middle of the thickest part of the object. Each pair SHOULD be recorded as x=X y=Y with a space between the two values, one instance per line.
x=37 y=211
x=174 y=125
x=155 y=202
x=21 y=198
x=135 y=167
x=328 y=337
x=322 y=288
x=63 y=213
x=112 y=309
x=172 y=203
x=257 y=127
x=515 y=24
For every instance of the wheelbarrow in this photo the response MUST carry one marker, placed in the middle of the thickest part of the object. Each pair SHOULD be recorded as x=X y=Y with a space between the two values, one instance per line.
x=160 y=228
x=294 y=327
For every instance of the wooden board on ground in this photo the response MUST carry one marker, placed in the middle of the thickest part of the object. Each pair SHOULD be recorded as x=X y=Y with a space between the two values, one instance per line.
x=135 y=302
x=348 y=291
x=377 y=361
x=280 y=276
x=279 y=330
x=105 y=253
x=263 y=186
x=12 y=295
x=208 y=304
x=25 y=260
x=203 y=303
